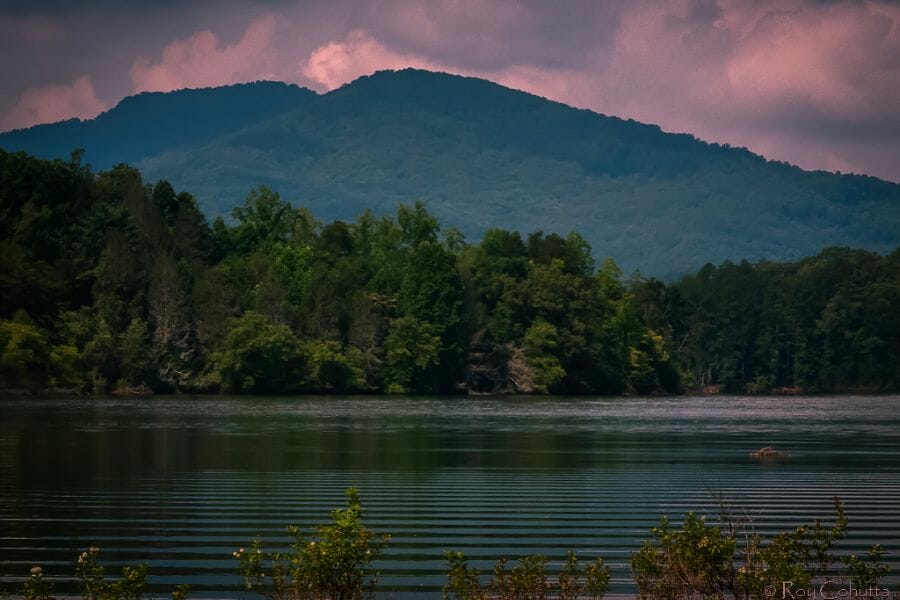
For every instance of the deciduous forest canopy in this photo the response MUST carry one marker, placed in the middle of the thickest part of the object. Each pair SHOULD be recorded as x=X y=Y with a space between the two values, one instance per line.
x=108 y=282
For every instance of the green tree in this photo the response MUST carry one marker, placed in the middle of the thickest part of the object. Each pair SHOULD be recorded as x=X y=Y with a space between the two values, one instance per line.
x=541 y=342
x=412 y=353
x=333 y=369
x=24 y=355
x=259 y=356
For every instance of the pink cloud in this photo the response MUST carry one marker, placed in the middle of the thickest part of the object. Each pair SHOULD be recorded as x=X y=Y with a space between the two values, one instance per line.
x=337 y=63
x=200 y=60
x=51 y=103
x=792 y=79
x=829 y=58
x=556 y=84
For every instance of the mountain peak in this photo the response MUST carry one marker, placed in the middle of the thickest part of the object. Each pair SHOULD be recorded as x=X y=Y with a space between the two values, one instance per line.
x=418 y=83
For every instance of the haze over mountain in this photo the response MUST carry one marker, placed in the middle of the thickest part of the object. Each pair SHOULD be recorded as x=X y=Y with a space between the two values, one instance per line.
x=480 y=155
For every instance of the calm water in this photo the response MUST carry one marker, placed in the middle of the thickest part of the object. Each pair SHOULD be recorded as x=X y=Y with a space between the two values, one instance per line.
x=183 y=482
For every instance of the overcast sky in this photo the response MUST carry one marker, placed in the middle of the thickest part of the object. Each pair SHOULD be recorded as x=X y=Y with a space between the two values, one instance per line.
x=813 y=83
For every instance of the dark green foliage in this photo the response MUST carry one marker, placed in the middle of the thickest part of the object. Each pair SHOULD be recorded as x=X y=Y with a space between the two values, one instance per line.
x=103 y=267
x=259 y=356
x=412 y=352
x=24 y=354
x=827 y=323
x=110 y=283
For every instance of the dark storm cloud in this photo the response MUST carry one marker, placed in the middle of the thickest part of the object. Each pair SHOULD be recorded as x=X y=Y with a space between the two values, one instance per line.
x=54 y=44
x=493 y=34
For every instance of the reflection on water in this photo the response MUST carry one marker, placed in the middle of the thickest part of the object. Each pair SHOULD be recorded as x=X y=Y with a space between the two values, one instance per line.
x=182 y=482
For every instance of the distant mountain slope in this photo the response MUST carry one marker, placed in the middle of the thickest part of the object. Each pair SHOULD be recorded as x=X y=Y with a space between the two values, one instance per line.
x=481 y=155
x=149 y=123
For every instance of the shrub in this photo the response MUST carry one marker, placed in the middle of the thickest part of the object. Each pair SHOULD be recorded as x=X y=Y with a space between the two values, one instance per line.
x=729 y=560
x=697 y=559
x=797 y=556
x=463 y=582
x=94 y=585
x=867 y=572
x=36 y=587
x=333 y=563
x=527 y=580
x=93 y=582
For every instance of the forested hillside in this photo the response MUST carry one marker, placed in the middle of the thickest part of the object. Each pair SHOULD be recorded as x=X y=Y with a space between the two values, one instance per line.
x=481 y=156
x=147 y=124
x=109 y=283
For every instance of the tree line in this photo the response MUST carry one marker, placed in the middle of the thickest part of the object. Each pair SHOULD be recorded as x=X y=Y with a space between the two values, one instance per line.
x=108 y=283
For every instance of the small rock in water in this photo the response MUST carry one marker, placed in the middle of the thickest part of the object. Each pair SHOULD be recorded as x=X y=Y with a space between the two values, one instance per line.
x=768 y=452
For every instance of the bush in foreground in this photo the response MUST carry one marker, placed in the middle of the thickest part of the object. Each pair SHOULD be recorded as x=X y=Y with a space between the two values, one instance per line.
x=730 y=560
x=333 y=563
x=528 y=579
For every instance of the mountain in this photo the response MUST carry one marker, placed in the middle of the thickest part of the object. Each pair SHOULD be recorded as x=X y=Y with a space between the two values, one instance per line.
x=480 y=156
x=153 y=122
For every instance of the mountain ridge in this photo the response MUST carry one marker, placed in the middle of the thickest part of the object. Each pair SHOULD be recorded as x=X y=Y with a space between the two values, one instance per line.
x=480 y=155
x=180 y=118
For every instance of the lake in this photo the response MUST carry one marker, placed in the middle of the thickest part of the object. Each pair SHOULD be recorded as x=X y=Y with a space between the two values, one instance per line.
x=182 y=482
